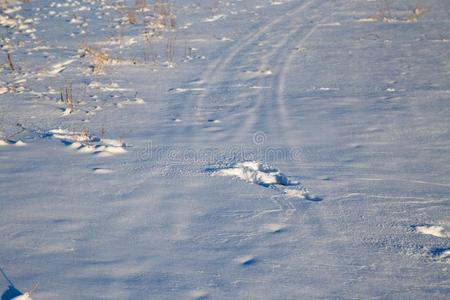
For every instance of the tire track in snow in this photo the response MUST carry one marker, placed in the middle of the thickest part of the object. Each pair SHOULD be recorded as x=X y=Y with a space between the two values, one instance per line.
x=281 y=57
x=274 y=58
x=215 y=74
x=279 y=82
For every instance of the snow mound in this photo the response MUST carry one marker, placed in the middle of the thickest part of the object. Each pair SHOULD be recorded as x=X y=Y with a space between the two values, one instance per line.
x=262 y=174
x=3 y=90
x=256 y=173
x=25 y=296
x=102 y=171
x=437 y=231
x=19 y=143
x=445 y=256
x=246 y=260
x=214 y=18
x=84 y=142
x=59 y=67
x=441 y=254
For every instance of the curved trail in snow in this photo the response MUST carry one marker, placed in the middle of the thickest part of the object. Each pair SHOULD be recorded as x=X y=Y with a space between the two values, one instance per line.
x=281 y=55
x=215 y=73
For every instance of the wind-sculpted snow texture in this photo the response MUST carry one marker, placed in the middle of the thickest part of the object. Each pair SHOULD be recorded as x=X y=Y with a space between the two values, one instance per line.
x=257 y=149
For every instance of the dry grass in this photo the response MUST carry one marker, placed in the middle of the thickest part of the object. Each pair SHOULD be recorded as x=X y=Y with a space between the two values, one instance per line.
x=19 y=131
x=170 y=50
x=98 y=58
x=131 y=16
x=140 y=4
x=67 y=98
x=10 y=62
x=385 y=13
x=84 y=137
x=164 y=16
x=417 y=12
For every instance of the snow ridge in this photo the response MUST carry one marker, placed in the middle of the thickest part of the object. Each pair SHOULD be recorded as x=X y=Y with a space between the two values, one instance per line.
x=255 y=172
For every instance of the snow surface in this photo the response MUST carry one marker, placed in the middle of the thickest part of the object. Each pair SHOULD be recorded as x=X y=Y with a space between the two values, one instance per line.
x=346 y=100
